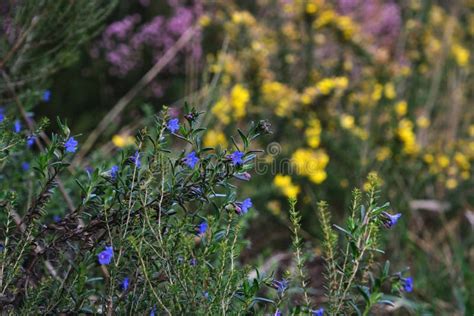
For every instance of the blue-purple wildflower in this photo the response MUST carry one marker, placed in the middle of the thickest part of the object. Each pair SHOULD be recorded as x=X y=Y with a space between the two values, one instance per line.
x=17 y=126
x=191 y=159
x=114 y=171
x=136 y=159
x=193 y=262
x=25 y=166
x=390 y=220
x=277 y=313
x=203 y=227
x=2 y=114
x=153 y=310
x=236 y=158
x=281 y=286
x=243 y=207
x=30 y=141
x=105 y=256
x=71 y=145
x=173 y=125
x=407 y=284
x=2 y=247
x=317 y=312
x=46 y=95
x=125 y=283
x=56 y=218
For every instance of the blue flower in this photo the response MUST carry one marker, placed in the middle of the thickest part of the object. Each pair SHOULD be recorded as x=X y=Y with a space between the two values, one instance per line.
x=191 y=159
x=153 y=310
x=280 y=286
x=173 y=125
x=71 y=145
x=125 y=284
x=105 y=257
x=390 y=220
x=114 y=171
x=17 y=126
x=46 y=95
x=2 y=114
x=407 y=284
x=25 y=166
x=30 y=141
x=56 y=218
x=203 y=227
x=136 y=159
x=243 y=207
x=193 y=262
x=277 y=313
x=236 y=158
x=317 y=312
x=2 y=247
x=205 y=294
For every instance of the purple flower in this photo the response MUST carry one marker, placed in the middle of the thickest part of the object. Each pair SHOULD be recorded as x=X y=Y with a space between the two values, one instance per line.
x=2 y=247
x=205 y=294
x=25 y=166
x=407 y=284
x=193 y=262
x=390 y=220
x=46 y=95
x=277 y=313
x=173 y=125
x=105 y=257
x=245 y=205
x=237 y=158
x=71 y=145
x=136 y=159
x=281 y=286
x=318 y=312
x=153 y=310
x=114 y=171
x=2 y=114
x=30 y=141
x=56 y=218
x=191 y=159
x=124 y=284
x=17 y=126
x=203 y=227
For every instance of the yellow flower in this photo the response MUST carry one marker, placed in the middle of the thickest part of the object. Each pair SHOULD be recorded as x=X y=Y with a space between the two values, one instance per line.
x=407 y=136
x=313 y=133
x=443 y=161
x=221 y=110
x=428 y=158
x=347 y=121
x=214 y=138
x=239 y=97
x=401 y=108
x=347 y=27
x=325 y=86
x=389 y=91
x=423 y=122
x=311 y=8
x=122 y=141
x=326 y=17
x=311 y=163
x=286 y=186
x=318 y=176
x=377 y=93
x=383 y=153
x=461 y=55
x=462 y=161
x=451 y=183
x=204 y=20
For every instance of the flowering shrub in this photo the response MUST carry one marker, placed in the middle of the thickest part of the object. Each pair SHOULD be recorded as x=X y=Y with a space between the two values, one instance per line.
x=149 y=229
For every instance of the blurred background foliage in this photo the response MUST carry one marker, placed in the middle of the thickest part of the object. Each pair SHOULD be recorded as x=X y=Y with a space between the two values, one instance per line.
x=350 y=86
